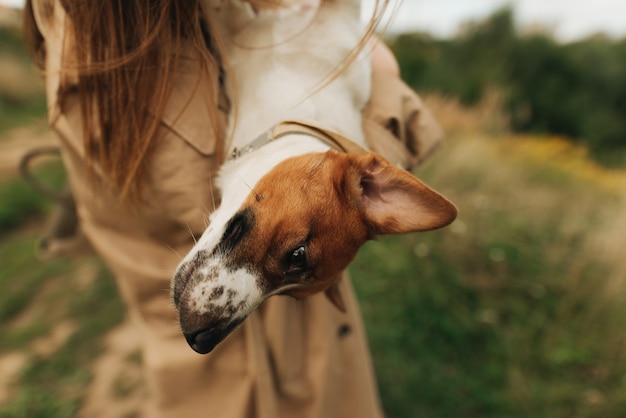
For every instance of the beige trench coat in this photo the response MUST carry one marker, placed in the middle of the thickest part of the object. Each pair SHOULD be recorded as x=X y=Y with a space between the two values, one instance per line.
x=291 y=358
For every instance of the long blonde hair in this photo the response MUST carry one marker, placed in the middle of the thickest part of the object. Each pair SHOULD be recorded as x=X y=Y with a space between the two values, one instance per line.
x=127 y=55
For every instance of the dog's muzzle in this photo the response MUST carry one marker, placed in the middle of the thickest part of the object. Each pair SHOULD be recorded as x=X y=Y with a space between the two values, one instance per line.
x=203 y=341
x=209 y=307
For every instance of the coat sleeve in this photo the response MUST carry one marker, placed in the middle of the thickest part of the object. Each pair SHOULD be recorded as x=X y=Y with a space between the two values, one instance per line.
x=396 y=123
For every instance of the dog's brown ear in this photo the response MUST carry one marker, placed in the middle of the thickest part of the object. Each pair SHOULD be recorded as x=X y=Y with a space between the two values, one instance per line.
x=334 y=295
x=395 y=202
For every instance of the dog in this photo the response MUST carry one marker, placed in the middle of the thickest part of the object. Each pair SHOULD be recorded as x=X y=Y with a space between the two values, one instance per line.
x=300 y=194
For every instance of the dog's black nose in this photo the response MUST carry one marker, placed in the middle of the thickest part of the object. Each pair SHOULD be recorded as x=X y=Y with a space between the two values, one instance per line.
x=203 y=341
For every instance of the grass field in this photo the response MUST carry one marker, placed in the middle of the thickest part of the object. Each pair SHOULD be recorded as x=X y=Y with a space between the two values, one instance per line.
x=515 y=310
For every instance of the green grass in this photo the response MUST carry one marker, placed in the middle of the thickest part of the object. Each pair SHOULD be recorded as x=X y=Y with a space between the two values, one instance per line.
x=16 y=112
x=52 y=386
x=22 y=97
x=13 y=44
x=505 y=313
x=18 y=261
x=21 y=202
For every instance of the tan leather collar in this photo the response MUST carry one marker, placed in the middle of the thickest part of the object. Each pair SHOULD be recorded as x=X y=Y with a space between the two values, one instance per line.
x=333 y=139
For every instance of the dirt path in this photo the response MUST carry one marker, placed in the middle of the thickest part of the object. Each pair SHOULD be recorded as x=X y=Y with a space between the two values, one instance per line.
x=116 y=388
x=10 y=366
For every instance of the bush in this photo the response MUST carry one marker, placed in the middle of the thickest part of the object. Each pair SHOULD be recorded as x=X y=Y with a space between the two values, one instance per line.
x=577 y=89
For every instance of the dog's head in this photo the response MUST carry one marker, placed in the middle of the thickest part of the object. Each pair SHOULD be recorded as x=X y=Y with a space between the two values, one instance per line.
x=297 y=230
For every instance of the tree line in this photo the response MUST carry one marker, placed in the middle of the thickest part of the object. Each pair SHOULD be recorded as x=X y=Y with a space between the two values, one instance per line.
x=576 y=89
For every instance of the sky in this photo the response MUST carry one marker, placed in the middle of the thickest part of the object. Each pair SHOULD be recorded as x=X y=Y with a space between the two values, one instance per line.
x=568 y=19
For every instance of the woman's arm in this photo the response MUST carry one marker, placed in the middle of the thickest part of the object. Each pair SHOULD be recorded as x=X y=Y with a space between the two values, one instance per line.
x=383 y=59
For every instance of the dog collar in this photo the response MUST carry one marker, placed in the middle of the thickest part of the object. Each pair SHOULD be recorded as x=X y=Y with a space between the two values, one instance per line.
x=334 y=139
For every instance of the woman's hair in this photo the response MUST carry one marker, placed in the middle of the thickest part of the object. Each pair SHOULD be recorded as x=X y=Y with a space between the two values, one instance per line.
x=126 y=56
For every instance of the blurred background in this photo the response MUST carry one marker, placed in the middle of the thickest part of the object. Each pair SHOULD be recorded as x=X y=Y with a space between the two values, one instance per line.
x=515 y=310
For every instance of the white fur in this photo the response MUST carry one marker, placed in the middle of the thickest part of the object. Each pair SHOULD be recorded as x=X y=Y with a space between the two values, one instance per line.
x=240 y=290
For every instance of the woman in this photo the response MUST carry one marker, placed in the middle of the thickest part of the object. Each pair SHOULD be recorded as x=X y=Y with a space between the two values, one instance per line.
x=136 y=94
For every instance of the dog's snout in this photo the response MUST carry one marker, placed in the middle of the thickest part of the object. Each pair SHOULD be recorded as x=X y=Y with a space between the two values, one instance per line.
x=212 y=300
x=204 y=340
x=185 y=272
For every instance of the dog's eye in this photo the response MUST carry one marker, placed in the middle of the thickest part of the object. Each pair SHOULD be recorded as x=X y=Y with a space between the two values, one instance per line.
x=297 y=260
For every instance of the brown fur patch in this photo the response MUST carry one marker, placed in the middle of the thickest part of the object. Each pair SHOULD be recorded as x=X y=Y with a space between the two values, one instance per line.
x=309 y=201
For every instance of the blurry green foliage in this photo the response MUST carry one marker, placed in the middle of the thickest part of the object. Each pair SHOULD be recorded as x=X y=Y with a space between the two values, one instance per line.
x=576 y=89
x=20 y=202
x=22 y=98
x=13 y=43
x=516 y=310
x=48 y=294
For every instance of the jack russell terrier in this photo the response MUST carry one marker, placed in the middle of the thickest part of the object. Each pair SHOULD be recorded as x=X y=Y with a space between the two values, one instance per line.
x=298 y=198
